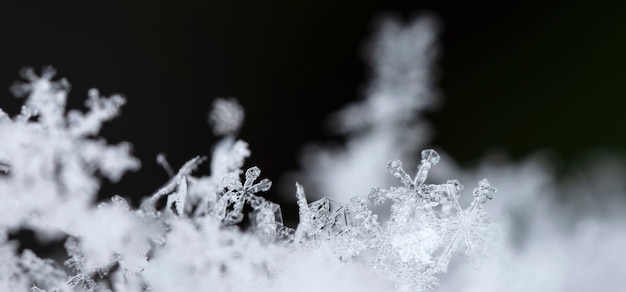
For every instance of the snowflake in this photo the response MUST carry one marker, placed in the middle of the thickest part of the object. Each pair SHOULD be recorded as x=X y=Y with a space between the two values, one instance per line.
x=427 y=224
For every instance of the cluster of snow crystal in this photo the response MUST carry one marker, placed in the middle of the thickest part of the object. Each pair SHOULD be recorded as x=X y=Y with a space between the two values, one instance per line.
x=190 y=234
x=558 y=231
x=210 y=227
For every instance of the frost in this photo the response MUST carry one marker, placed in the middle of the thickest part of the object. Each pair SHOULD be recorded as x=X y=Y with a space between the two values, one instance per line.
x=214 y=229
x=114 y=246
x=212 y=226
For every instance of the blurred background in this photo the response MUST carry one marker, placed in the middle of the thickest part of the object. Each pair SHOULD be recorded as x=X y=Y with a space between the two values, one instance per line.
x=515 y=76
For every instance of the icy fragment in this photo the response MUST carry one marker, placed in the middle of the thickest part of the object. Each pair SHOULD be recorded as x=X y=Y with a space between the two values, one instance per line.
x=377 y=196
x=361 y=233
x=429 y=158
x=326 y=217
x=176 y=200
x=174 y=183
x=238 y=194
x=267 y=220
x=304 y=224
x=262 y=186
x=231 y=181
x=484 y=191
x=251 y=175
x=286 y=236
x=395 y=168
x=321 y=219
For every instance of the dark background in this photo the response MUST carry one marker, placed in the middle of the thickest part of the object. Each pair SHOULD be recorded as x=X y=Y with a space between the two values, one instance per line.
x=517 y=76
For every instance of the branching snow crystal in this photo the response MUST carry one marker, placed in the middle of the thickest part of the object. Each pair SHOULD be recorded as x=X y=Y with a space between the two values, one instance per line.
x=237 y=194
x=426 y=225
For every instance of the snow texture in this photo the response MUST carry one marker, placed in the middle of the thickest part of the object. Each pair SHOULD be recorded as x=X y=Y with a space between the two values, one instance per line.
x=558 y=232
x=211 y=229
x=195 y=241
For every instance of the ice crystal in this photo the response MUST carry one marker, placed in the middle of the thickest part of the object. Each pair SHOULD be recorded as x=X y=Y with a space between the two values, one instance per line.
x=426 y=226
x=427 y=223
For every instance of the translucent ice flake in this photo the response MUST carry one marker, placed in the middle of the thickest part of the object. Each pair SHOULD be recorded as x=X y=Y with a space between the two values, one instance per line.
x=426 y=226
x=251 y=175
x=175 y=182
x=358 y=239
x=377 y=196
x=429 y=158
x=176 y=200
x=395 y=168
x=267 y=220
x=236 y=194
x=484 y=191
x=325 y=218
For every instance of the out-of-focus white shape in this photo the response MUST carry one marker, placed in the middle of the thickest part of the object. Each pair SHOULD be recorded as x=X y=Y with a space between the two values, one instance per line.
x=51 y=162
x=558 y=234
x=385 y=125
x=226 y=116
x=42 y=141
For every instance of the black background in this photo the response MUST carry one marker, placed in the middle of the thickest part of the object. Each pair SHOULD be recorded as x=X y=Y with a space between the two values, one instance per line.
x=518 y=76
